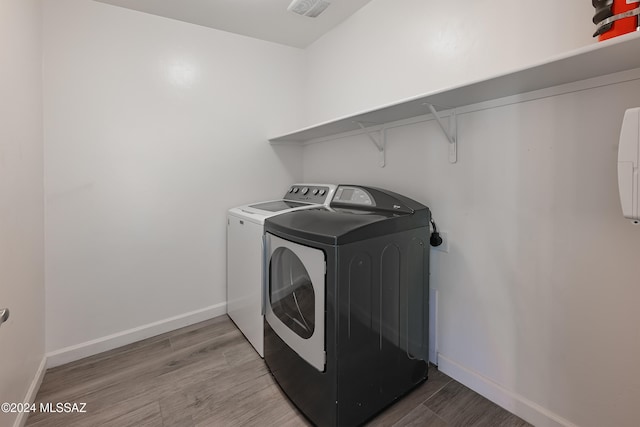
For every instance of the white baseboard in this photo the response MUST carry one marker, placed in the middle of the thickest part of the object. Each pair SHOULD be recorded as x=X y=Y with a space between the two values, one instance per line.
x=512 y=402
x=32 y=392
x=109 y=342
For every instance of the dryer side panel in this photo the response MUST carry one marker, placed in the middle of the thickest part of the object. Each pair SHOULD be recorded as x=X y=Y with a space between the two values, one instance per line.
x=383 y=292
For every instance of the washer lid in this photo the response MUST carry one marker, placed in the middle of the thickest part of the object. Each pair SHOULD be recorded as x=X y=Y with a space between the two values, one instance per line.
x=278 y=205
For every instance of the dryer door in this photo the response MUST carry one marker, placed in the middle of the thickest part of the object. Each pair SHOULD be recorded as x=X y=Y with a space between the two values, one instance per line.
x=295 y=303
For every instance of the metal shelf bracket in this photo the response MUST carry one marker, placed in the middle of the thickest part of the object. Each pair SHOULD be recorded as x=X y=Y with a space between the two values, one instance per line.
x=4 y=315
x=451 y=133
x=380 y=141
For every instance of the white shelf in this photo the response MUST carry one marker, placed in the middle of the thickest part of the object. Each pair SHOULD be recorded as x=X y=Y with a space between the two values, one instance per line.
x=611 y=56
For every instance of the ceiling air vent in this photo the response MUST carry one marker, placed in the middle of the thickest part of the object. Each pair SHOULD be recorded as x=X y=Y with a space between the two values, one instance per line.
x=310 y=8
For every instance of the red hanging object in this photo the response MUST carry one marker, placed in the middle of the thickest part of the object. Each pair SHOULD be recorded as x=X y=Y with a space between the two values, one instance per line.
x=614 y=18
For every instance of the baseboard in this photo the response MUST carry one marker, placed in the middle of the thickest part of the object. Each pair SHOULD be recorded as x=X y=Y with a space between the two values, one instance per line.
x=109 y=342
x=512 y=402
x=32 y=392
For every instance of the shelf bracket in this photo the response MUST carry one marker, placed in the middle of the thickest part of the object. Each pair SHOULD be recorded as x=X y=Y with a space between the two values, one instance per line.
x=380 y=141
x=451 y=133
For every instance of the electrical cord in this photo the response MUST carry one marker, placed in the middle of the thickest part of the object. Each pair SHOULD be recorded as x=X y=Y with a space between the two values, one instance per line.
x=435 y=239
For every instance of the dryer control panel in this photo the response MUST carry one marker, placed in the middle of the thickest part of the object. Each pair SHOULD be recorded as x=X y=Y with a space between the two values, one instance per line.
x=310 y=193
x=353 y=195
x=373 y=199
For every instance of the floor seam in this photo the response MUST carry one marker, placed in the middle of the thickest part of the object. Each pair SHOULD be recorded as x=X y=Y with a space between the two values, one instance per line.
x=435 y=392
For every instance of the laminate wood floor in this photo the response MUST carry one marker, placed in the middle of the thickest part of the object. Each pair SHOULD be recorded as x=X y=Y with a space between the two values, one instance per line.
x=208 y=375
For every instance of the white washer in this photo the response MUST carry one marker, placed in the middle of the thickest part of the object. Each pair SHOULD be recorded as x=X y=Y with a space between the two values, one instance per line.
x=246 y=264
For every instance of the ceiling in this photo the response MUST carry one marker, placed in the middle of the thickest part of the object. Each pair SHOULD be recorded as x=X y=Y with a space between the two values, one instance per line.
x=262 y=19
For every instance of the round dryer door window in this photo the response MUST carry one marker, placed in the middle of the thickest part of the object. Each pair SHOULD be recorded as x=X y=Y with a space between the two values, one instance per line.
x=291 y=292
x=295 y=297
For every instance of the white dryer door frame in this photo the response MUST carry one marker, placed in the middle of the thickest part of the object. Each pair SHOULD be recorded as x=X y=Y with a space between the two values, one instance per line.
x=311 y=349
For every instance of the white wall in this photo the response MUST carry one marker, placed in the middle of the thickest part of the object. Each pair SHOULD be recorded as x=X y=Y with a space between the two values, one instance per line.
x=146 y=120
x=153 y=129
x=390 y=50
x=538 y=294
x=21 y=202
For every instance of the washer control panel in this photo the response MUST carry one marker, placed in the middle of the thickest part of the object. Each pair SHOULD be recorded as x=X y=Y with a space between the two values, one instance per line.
x=309 y=193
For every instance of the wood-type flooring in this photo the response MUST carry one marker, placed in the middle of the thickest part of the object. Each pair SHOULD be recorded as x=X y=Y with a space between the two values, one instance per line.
x=208 y=375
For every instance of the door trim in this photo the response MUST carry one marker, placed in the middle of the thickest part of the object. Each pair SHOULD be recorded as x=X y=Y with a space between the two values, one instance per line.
x=311 y=349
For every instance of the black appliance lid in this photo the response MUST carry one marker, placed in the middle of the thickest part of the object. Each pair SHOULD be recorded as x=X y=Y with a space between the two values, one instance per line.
x=356 y=213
